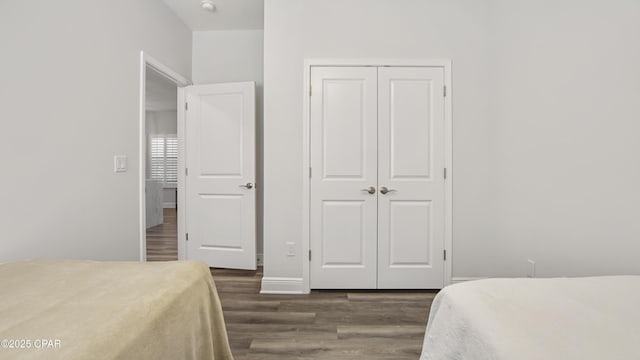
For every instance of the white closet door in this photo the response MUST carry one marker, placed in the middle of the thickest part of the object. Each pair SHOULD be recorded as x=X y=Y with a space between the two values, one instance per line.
x=411 y=165
x=343 y=159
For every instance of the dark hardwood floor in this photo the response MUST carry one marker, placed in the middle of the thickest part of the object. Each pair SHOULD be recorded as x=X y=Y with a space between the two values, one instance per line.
x=337 y=325
x=322 y=325
x=162 y=240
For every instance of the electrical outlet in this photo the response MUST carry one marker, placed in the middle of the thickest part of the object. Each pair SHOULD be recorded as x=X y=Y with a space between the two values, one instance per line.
x=259 y=259
x=532 y=268
x=291 y=249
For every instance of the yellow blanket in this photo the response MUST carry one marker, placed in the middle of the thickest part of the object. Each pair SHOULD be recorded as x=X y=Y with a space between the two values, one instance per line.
x=72 y=309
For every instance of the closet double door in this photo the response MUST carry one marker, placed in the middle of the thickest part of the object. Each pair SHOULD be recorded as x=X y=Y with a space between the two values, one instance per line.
x=377 y=187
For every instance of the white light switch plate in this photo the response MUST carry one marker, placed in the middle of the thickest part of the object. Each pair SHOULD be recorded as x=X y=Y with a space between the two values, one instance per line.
x=120 y=163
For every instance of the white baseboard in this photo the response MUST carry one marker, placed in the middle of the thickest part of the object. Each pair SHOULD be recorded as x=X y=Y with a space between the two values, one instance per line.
x=459 y=279
x=281 y=285
x=169 y=205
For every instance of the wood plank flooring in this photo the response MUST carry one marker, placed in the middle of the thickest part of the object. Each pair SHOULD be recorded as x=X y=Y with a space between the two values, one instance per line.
x=162 y=240
x=322 y=325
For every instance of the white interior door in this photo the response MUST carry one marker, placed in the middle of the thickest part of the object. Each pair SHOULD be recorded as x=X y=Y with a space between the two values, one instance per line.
x=220 y=182
x=411 y=177
x=343 y=212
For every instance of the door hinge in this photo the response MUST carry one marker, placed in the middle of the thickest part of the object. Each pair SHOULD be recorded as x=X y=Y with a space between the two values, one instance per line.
x=445 y=173
x=186 y=236
x=444 y=254
x=186 y=106
x=444 y=90
x=309 y=172
x=310 y=90
x=309 y=255
x=186 y=171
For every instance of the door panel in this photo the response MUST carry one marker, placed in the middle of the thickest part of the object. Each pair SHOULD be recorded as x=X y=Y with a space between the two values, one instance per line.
x=221 y=133
x=342 y=234
x=343 y=160
x=410 y=127
x=220 y=217
x=409 y=233
x=220 y=158
x=343 y=123
x=411 y=164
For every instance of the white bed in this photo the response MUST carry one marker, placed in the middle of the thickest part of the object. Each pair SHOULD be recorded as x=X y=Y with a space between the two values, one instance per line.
x=560 y=318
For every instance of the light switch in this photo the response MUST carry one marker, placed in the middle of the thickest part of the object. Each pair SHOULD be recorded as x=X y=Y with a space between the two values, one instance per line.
x=120 y=163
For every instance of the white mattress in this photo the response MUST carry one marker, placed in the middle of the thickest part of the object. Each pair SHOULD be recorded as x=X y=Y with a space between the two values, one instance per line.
x=562 y=318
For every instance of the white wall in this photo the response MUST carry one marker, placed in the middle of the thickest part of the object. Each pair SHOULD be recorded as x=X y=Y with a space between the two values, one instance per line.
x=228 y=56
x=545 y=142
x=564 y=140
x=162 y=122
x=295 y=30
x=231 y=56
x=169 y=198
x=69 y=100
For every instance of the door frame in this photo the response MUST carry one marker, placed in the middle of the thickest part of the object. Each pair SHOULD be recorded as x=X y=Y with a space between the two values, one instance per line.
x=146 y=61
x=306 y=151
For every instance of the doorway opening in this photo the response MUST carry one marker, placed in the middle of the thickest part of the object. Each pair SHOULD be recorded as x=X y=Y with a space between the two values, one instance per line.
x=161 y=167
x=160 y=161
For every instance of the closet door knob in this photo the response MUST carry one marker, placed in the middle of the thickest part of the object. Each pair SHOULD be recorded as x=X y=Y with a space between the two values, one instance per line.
x=384 y=190
x=370 y=190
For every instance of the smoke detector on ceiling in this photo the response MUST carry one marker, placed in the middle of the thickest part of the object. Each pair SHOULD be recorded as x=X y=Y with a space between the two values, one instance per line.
x=208 y=5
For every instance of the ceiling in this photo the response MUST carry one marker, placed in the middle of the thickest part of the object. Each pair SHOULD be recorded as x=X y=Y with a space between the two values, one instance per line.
x=161 y=94
x=229 y=14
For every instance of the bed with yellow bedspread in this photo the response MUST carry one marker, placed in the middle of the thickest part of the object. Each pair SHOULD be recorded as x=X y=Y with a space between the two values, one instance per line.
x=73 y=309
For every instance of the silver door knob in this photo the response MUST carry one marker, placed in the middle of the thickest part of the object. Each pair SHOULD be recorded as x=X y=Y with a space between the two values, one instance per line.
x=384 y=190
x=370 y=190
x=247 y=185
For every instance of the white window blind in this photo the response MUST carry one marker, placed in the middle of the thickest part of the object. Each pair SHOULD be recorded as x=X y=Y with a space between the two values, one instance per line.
x=164 y=159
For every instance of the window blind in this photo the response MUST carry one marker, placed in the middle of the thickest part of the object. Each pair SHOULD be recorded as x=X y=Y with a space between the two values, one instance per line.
x=164 y=159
